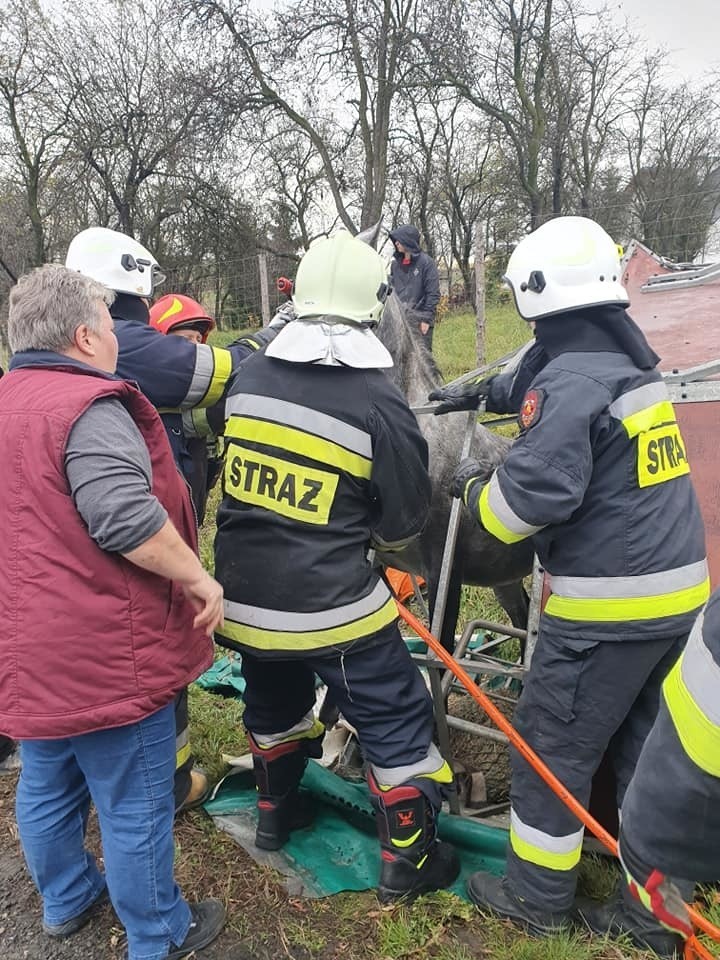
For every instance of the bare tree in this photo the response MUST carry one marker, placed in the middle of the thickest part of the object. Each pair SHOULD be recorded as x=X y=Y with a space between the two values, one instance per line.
x=143 y=108
x=353 y=60
x=34 y=110
x=500 y=65
x=673 y=149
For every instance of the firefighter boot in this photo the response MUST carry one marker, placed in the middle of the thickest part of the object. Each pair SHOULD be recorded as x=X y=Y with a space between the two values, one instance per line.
x=281 y=806
x=624 y=915
x=495 y=895
x=414 y=861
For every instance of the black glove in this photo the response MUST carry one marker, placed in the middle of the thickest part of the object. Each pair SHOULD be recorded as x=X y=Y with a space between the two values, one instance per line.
x=467 y=470
x=467 y=396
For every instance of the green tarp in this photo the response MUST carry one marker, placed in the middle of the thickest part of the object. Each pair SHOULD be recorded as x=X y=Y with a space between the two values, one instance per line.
x=340 y=851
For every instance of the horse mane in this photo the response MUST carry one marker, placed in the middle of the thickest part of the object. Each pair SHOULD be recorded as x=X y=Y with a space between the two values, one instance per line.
x=416 y=371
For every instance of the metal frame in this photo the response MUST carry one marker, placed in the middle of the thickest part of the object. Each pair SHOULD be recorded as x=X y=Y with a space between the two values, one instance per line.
x=478 y=662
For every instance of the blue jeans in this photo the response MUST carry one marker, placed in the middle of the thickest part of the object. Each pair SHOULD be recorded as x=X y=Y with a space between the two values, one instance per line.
x=128 y=773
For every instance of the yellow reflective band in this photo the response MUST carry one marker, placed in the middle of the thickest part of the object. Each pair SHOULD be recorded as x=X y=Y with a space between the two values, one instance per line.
x=421 y=861
x=298 y=441
x=222 y=369
x=661 y=456
x=182 y=755
x=316 y=730
x=443 y=775
x=621 y=609
x=310 y=639
x=492 y=523
x=655 y=415
x=301 y=493
x=544 y=858
x=699 y=736
x=406 y=843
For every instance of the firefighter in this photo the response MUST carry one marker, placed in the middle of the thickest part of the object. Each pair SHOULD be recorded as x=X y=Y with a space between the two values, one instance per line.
x=599 y=479
x=324 y=459
x=671 y=812
x=192 y=440
x=172 y=373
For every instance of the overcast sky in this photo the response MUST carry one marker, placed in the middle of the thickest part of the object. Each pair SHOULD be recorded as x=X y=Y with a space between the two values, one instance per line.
x=688 y=28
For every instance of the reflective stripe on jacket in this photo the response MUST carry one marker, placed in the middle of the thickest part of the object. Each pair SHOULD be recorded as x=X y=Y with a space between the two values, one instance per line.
x=320 y=463
x=600 y=480
x=172 y=372
x=671 y=812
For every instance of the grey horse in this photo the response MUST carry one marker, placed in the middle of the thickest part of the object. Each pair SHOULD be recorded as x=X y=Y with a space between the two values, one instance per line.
x=480 y=558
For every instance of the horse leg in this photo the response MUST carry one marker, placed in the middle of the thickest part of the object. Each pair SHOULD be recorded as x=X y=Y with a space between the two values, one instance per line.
x=514 y=600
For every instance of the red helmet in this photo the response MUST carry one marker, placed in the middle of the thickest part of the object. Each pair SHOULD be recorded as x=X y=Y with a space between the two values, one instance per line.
x=176 y=310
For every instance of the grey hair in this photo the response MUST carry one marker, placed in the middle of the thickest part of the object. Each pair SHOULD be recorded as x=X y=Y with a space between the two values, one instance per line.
x=47 y=306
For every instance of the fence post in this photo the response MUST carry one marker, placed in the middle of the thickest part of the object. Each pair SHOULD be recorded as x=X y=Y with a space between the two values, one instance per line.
x=480 y=291
x=264 y=289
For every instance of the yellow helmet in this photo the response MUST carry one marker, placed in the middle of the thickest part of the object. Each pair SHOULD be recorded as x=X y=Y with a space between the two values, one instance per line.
x=341 y=279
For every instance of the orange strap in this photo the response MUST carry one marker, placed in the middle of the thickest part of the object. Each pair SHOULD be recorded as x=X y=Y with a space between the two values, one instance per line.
x=693 y=947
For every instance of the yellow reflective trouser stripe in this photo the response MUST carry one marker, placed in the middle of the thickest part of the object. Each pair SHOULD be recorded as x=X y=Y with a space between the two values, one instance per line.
x=699 y=736
x=649 y=417
x=406 y=843
x=493 y=524
x=316 y=730
x=310 y=639
x=221 y=374
x=544 y=858
x=620 y=609
x=442 y=775
x=182 y=755
x=291 y=440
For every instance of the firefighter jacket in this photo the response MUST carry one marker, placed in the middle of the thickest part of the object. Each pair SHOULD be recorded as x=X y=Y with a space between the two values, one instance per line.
x=599 y=479
x=322 y=462
x=671 y=811
x=506 y=390
x=173 y=373
x=94 y=640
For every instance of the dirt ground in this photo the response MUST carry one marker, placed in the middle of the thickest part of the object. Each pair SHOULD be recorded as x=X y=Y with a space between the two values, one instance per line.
x=263 y=923
x=21 y=934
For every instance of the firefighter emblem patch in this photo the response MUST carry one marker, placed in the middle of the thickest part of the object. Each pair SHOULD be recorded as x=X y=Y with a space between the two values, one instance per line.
x=405 y=819
x=531 y=409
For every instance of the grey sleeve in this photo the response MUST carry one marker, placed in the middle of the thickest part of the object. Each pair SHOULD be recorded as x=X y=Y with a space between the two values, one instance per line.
x=108 y=468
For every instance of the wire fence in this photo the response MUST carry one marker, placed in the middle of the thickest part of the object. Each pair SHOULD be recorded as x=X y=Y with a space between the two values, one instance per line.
x=239 y=293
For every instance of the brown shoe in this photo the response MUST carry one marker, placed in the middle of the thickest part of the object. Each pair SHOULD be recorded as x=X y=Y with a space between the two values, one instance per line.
x=198 y=793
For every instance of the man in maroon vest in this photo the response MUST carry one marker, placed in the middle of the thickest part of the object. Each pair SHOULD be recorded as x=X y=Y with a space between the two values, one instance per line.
x=105 y=613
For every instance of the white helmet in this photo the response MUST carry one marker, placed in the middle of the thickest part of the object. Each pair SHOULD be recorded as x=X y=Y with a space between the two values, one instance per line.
x=115 y=260
x=341 y=277
x=566 y=264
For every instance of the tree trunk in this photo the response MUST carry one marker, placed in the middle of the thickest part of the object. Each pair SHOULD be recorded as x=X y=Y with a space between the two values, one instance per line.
x=480 y=292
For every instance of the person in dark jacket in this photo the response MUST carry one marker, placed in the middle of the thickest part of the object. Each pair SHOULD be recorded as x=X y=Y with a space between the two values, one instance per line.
x=324 y=460
x=189 y=433
x=415 y=280
x=173 y=373
x=105 y=613
x=670 y=820
x=599 y=479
